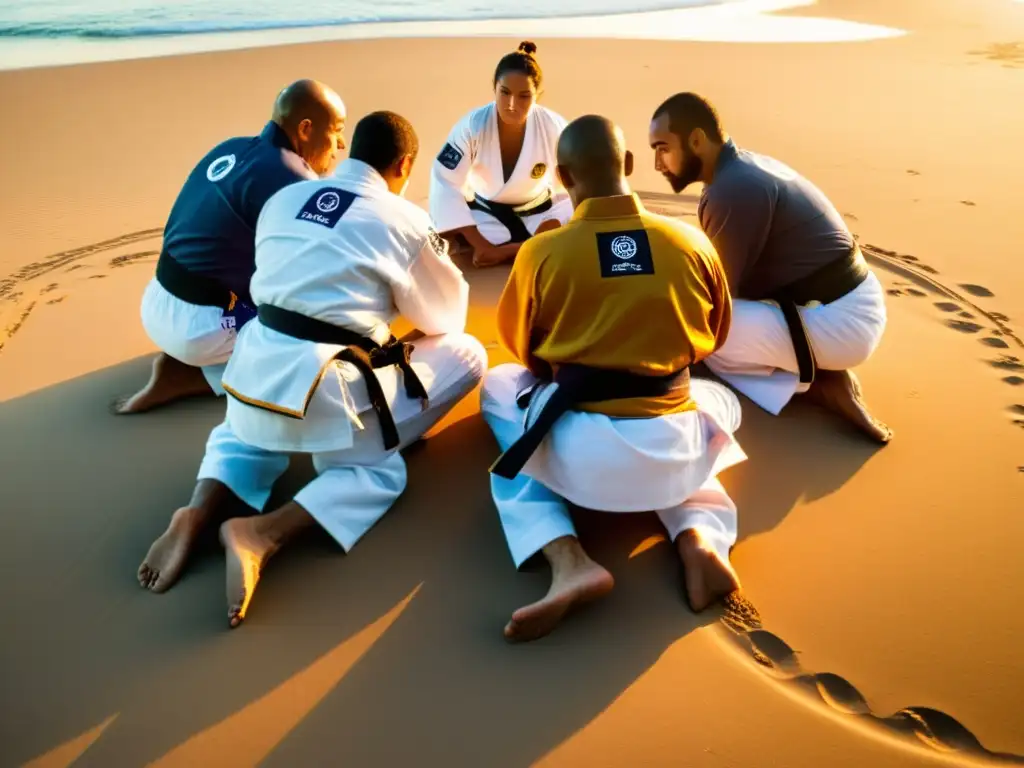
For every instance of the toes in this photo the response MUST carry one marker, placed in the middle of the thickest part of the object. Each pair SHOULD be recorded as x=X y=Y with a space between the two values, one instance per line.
x=144 y=575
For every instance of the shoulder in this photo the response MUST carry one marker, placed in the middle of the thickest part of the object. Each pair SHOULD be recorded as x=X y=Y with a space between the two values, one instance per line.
x=475 y=119
x=282 y=164
x=551 y=118
x=741 y=183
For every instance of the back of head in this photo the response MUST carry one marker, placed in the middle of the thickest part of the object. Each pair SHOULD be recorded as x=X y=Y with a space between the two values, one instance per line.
x=522 y=61
x=593 y=151
x=382 y=139
x=688 y=111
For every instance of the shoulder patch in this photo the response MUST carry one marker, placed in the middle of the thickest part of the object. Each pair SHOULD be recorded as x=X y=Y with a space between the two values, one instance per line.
x=326 y=206
x=538 y=171
x=450 y=156
x=625 y=253
x=220 y=167
x=437 y=242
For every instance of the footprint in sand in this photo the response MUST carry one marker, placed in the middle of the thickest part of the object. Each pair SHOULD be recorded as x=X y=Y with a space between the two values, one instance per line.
x=998 y=317
x=1018 y=409
x=963 y=326
x=1007 y=363
x=58 y=300
x=912 y=172
x=969 y=203
x=992 y=341
x=1014 y=381
x=947 y=306
x=50 y=287
x=914 y=725
x=96 y=277
x=916 y=292
x=977 y=290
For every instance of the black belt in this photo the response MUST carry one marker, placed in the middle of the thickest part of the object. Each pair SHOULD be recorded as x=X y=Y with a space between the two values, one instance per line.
x=192 y=287
x=581 y=384
x=511 y=215
x=362 y=352
x=827 y=284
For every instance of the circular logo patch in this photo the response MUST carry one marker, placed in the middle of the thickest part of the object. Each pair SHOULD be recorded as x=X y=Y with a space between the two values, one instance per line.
x=538 y=171
x=624 y=247
x=220 y=167
x=327 y=202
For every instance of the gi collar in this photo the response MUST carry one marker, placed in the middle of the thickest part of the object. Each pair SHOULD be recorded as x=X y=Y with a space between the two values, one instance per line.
x=614 y=207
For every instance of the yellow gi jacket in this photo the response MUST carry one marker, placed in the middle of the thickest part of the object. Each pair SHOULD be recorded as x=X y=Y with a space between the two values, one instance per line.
x=617 y=288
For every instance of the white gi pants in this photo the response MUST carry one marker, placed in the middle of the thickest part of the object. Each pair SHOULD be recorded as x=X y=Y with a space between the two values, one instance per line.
x=195 y=335
x=496 y=233
x=758 y=357
x=355 y=486
x=667 y=464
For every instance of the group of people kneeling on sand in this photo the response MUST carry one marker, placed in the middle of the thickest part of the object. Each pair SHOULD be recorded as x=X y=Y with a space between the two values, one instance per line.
x=279 y=278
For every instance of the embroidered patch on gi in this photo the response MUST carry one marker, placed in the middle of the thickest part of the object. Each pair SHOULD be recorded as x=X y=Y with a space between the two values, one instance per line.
x=220 y=167
x=326 y=206
x=538 y=171
x=450 y=157
x=437 y=242
x=625 y=253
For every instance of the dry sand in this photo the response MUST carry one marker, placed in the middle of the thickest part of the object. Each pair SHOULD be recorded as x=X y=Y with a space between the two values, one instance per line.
x=893 y=573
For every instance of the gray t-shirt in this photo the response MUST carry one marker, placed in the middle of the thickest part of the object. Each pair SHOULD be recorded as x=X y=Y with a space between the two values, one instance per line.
x=769 y=224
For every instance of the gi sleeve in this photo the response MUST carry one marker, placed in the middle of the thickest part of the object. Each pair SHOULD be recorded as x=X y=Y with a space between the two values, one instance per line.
x=736 y=214
x=435 y=296
x=268 y=178
x=720 y=313
x=448 y=174
x=558 y=190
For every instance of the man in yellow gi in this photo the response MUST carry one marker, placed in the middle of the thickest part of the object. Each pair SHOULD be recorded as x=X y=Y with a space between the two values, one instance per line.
x=605 y=314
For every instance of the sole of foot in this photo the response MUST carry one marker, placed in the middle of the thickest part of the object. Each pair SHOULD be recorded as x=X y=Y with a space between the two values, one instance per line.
x=246 y=552
x=168 y=555
x=169 y=381
x=840 y=392
x=707 y=577
x=536 y=620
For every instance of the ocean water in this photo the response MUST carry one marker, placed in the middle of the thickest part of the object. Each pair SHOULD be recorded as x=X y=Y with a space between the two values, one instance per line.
x=115 y=19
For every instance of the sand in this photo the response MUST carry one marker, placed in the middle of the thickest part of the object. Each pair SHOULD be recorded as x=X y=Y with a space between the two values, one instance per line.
x=885 y=579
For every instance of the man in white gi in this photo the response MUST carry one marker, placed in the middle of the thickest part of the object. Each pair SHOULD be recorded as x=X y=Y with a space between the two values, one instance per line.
x=318 y=370
x=807 y=308
x=605 y=315
x=199 y=298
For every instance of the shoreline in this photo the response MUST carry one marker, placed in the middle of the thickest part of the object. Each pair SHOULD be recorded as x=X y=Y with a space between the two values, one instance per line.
x=741 y=21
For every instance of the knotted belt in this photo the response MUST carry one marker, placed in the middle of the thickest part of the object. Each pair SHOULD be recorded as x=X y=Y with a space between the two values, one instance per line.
x=576 y=384
x=827 y=284
x=511 y=216
x=361 y=351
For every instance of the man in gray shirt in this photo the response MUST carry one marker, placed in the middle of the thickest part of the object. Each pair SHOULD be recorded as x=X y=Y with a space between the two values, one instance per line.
x=806 y=306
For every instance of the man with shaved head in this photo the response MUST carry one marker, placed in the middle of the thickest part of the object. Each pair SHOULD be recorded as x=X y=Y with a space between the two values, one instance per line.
x=604 y=316
x=198 y=300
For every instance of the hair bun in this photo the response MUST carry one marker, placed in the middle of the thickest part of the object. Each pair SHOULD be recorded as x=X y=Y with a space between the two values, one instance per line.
x=528 y=47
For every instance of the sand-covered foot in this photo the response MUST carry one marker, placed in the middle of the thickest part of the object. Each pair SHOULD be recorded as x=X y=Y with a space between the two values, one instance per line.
x=247 y=551
x=170 y=380
x=840 y=393
x=582 y=584
x=167 y=557
x=709 y=578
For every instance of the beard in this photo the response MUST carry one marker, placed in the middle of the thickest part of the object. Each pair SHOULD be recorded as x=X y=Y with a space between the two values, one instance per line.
x=690 y=172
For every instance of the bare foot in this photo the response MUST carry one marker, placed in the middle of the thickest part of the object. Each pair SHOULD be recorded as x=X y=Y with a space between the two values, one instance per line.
x=579 y=581
x=247 y=550
x=708 y=577
x=167 y=556
x=840 y=392
x=170 y=380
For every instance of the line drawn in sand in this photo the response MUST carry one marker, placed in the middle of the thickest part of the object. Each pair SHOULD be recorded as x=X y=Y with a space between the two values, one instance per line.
x=741 y=622
x=25 y=291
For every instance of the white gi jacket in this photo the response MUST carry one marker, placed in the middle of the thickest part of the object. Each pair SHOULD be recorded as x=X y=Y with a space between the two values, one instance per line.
x=469 y=164
x=347 y=251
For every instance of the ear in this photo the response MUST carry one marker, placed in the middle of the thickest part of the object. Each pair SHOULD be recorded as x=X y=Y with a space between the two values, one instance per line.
x=405 y=165
x=698 y=139
x=565 y=176
x=305 y=129
x=627 y=164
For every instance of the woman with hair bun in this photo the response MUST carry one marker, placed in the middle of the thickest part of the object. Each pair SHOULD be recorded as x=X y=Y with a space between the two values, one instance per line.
x=494 y=183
